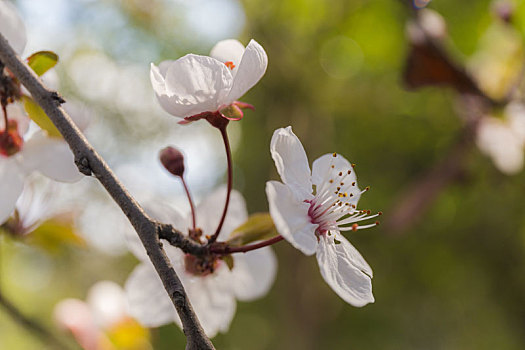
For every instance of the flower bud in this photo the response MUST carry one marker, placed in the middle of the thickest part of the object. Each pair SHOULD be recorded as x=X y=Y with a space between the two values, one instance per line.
x=173 y=160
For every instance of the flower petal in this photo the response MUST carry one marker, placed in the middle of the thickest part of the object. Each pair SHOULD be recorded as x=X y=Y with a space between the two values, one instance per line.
x=12 y=27
x=254 y=273
x=107 y=302
x=229 y=50
x=329 y=167
x=193 y=84
x=291 y=162
x=148 y=301
x=209 y=212
x=251 y=69
x=290 y=217
x=11 y=186
x=212 y=299
x=345 y=270
x=52 y=157
x=79 y=113
x=496 y=139
x=158 y=76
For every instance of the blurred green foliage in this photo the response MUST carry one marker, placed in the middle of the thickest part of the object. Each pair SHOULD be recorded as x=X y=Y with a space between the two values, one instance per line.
x=452 y=281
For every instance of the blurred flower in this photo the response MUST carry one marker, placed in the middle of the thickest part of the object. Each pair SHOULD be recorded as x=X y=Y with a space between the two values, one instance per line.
x=211 y=285
x=497 y=65
x=194 y=86
x=312 y=207
x=37 y=151
x=32 y=208
x=102 y=322
x=503 y=140
x=12 y=27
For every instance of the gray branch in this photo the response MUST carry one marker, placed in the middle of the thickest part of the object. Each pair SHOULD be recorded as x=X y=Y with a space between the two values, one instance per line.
x=89 y=162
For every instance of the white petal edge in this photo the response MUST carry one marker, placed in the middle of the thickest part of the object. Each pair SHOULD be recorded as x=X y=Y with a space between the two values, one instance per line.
x=496 y=139
x=291 y=217
x=212 y=299
x=254 y=273
x=291 y=162
x=251 y=69
x=195 y=84
x=11 y=186
x=50 y=156
x=12 y=27
x=345 y=271
x=147 y=299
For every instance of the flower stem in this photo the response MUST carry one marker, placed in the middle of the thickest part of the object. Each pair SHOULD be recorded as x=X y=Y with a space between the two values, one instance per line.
x=189 y=200
x=224 y=135
x=228 y=250
x=4 y=110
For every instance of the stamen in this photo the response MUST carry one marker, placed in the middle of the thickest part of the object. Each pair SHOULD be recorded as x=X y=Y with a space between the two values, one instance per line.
x=230 y=65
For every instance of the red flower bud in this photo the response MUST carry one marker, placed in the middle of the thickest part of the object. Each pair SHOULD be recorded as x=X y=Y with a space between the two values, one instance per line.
x=173 y=160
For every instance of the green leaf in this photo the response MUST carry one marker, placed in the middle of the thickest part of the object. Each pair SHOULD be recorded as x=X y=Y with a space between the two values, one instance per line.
x=42 y=61
x=37 y=114
x=55 y=234
x=258 y=227
x=228 y=259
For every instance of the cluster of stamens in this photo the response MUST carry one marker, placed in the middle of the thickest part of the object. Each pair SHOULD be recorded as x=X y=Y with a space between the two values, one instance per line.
x=334 y=206
x=201 y=265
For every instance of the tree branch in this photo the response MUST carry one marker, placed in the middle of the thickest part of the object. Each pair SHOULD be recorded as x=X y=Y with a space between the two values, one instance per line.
x=31 y=325
x=89 y=162
x=416 y=199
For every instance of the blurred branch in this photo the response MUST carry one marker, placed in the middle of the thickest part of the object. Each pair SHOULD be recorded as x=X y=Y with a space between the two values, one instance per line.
x=31 y=325
x=415 y=200
x=89 y=162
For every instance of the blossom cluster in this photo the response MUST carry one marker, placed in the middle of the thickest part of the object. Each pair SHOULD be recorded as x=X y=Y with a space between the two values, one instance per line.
x=310 y=208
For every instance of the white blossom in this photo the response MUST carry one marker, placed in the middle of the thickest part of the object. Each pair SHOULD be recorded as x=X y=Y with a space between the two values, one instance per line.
x=311 y=208
x=212 y=293
x=38 y=152
x=103 y=313
x=196 y=84
x=503 y=139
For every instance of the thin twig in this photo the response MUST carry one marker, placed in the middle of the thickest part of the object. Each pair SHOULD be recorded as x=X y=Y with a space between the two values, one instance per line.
x=190 y=200
x=416 y=199
x=224 y=249
x=31 y=325
x=227 y=147
x=90 y=162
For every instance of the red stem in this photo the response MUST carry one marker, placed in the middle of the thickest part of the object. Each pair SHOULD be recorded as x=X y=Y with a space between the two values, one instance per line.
x=4 y=109
x=224 y=135
x=228 y=250
x=191 y=202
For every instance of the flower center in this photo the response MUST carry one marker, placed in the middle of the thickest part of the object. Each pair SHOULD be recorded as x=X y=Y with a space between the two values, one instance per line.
x=230 y=65
x=201 y=266
x=10 y=140
x=334 y=206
